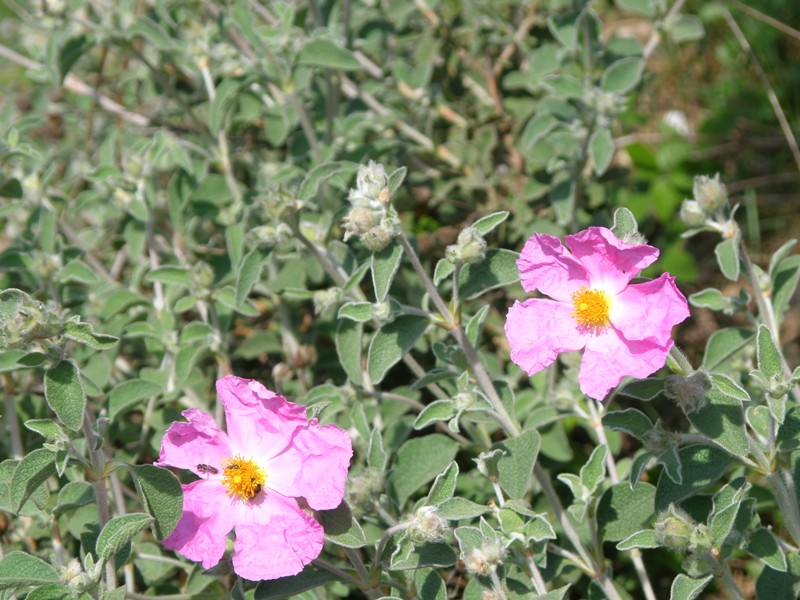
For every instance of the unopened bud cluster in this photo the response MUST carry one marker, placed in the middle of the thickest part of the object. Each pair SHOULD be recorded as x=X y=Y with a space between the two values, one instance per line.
x=706 y=208
x=372 y=218
x=32 y=322
x=677 y=531
x=428 y=526
x=688 y=392
x=482 y=561
x=470 y=247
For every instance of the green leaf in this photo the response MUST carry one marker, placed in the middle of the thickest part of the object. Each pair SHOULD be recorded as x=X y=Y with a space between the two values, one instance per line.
x=514 y=469
x=601 y=149
x=77 y=270
x=438 y=410
x=594 y=470
x=456 y=509
x=47 y=428
x=722 y=420
x=684 y=28
x=396 y=179
x=498 y=269
x=630 y=420
x=475 y=323
x=83 y=333
x=418 y=461
x=118 y=532
x=10 y=188
x=643 y=7
x=63 y=391
x=723 y=344
x=171 y=274
x=248 y=275
x=487 y=224
x=622 y=512
x=153 y=32
x=356 y=311
x=70 y=52
x=770 y=362
x=340 y=170
x=444 y=486
x=384 y=267
x=161 y=494
x=376 y=453
x=444 y=268
x=565 y=28
x=291 y=587
x=727 y=253
x=709 y=298
x=641 y=539
x=779 y=585
x=324 y=53
x=51 y=591
x=785 y=277
x=700 y=467
x=764 y=546
x=31 y=472
x=341 y=528
x=126 y=395
x=348 y=348
x=222 y=105
x=623 y=75
x=74 y=495
x=409 y=555
x=391 y=342
x=21 y=569
x=643 y=389
x=688 y=588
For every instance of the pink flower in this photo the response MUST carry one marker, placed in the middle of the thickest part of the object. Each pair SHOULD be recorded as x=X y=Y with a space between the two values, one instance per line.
x=625 y=328
x=251 y=479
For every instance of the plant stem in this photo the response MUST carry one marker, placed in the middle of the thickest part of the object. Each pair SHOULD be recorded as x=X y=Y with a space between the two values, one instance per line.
x=98 y=461
x=322 y=564
x=783 y=488
x=14 y=433
x=730 y=584
x=355 y=560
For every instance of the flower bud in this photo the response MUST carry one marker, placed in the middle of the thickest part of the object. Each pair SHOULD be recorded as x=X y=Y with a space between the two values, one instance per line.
x=463 y=401
x=381 y=310
x=470 y=247
x=360 y=220
x=376 y=239
x=427 y=526
x=372 y=182
x=674 y=529
x=709 y=193
x=325 y=299
x=689 y=392
x=202 y=276
x=692 y=213
x=475 y=562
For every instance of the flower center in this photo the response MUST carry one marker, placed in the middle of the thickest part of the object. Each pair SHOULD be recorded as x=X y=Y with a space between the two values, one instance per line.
x=591 y=307
x=243 y=477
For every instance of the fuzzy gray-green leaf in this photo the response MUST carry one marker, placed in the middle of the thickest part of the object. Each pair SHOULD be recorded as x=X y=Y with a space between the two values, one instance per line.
x=63 y=391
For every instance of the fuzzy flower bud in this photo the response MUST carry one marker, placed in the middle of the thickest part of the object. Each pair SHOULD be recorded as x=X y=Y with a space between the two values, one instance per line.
x=674 y=529
x=710 y=193
x=372 y=182
x=381 y=310
x=692 y=213
x=377 y=238
x=463 y=401
x=202 y=276
x=325 y=299
x=481 y=561
x=427 y=526
x=470 y=247
x=689 y=392
x=360 y=220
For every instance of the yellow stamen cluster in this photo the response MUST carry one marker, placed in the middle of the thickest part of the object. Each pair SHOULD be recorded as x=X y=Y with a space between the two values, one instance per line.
x=591 y=307
x=243 y=477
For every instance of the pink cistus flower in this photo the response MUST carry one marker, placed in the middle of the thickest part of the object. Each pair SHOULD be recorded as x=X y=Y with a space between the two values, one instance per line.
x=252 y=479
x=624 y=328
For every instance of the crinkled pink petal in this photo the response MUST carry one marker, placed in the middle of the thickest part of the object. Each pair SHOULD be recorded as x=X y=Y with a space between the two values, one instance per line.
x=649 y=310
x=207 y=519
x=326 y=453
x=545 y=265
x=538 y=329
x=611 y=263
x=608 y=358
x=259 y=422
x=277 y=539
x=200 y=441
